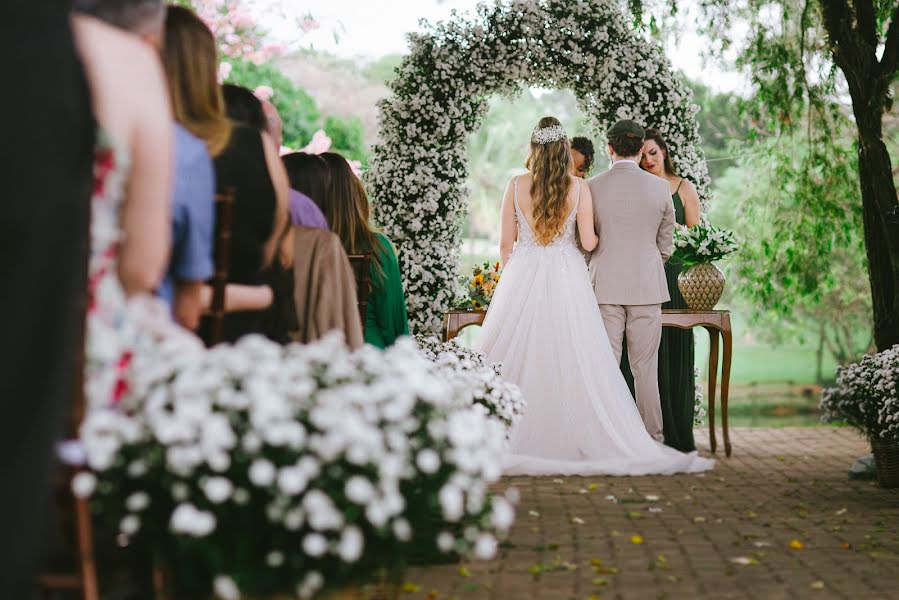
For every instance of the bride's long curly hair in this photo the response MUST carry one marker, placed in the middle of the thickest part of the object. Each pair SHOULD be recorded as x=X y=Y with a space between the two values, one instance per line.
x=550 y=167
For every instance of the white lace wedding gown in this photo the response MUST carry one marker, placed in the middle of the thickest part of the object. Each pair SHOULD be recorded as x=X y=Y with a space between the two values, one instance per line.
x=545 y=327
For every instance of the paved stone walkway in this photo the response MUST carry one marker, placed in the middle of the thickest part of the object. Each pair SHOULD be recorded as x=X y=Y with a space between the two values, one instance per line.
x=779 y=519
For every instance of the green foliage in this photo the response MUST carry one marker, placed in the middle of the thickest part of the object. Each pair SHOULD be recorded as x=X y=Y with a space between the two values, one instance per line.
x=802 y=264
x=383 y=69
x=298 y=110
x=347 y=137
x=722 y=123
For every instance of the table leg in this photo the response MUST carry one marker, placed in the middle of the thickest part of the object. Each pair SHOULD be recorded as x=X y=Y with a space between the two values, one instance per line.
x=727 y=336
x=448 y=326
x=713 y=382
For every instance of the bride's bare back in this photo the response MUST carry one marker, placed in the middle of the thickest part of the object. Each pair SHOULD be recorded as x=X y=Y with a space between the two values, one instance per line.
x=579 y=193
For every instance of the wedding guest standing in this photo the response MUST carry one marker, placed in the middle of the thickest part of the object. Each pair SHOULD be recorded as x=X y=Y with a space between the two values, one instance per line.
x=44 y=268
x=347 y=209
x=582 y=156
x=677 y=385
x=244 y=158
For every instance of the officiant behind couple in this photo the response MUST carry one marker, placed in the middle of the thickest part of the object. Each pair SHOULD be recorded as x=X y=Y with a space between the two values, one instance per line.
x=558 y=328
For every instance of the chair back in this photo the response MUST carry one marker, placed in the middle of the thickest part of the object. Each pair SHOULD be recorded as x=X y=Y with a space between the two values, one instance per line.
x=361 y=264
x=224 y=210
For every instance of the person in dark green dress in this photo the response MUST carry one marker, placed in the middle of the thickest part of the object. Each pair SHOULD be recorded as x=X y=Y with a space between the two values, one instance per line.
x=347 y=210
x=677 y=386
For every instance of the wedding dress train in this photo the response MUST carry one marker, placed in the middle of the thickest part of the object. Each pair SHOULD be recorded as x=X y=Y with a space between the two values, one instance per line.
x=545 y=327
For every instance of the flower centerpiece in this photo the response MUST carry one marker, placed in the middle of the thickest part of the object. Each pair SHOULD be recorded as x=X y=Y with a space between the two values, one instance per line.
x=866 y=396
x=481 y=286
x=260 y=470
x=701 y=283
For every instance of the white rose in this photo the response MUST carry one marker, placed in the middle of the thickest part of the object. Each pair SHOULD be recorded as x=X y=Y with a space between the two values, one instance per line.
x=451 y=502
x=351 y=544
x=187 y=519
x=137 y=501
x=485 y=546
x=218 y=489
x=84 y=484
x=310 y=585
x=130 y=525
x=274 y=559
x=225 y=588
x=402 y=530
x=428 y=461
x=502 y=515
x=359 y=490
x=262 y=473
x=315 y=544
x=445 y=541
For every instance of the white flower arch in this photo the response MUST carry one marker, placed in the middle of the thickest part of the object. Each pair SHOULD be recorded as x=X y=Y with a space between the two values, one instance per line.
x=417 y=173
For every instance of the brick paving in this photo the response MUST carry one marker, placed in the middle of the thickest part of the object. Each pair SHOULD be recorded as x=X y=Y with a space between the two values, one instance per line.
x=728 y=533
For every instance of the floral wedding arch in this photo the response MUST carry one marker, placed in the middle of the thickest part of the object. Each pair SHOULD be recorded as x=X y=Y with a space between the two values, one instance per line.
x=418 y=172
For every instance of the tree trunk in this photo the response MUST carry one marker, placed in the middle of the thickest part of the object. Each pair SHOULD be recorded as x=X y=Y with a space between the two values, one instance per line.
x=853 y=44
x=880 y=215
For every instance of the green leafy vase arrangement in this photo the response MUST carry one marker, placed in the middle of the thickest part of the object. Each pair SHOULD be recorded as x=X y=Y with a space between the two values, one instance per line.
x=481 y=285
x=866 y=396
x=701 y=283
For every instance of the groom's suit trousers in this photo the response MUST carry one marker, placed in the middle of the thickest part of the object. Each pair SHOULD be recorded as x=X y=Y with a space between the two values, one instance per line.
x=642 y=324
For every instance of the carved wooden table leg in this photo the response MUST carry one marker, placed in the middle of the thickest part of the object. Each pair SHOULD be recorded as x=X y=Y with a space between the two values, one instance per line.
x=713 y=382
x=449 y=326
x=727 y=336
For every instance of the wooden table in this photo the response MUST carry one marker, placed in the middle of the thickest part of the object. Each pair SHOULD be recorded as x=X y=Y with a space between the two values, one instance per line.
x=716 y=322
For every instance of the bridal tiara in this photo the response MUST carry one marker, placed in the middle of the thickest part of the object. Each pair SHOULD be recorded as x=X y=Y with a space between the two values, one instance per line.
x=546 y=135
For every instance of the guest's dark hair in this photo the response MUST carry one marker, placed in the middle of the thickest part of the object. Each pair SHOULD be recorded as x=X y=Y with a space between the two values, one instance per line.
x=348 y=212
x=242 y=106
x=654 y=135
x=308 y=173
x=626 y=144
x=585 y=147
x=136 y=16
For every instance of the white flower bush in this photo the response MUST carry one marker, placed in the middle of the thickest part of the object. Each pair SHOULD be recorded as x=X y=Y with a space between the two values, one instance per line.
x=418 y=171
x=260 y=469
x=477 y=381
x=866 y=396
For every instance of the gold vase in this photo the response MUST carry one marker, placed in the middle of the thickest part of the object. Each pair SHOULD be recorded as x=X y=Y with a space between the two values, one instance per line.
x=701 y=286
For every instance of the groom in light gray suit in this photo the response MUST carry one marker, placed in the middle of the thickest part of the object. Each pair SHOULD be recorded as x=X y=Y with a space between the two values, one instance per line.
x=634 y=219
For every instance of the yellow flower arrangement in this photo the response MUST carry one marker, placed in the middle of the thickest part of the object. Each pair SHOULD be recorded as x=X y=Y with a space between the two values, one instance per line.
x=482 y=285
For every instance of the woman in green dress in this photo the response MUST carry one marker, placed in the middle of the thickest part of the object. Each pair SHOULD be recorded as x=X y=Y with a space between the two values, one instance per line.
x=346 y=208
x=677 y=386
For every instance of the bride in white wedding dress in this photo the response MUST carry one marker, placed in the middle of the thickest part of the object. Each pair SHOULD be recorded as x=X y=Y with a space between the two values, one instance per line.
x=544 y=326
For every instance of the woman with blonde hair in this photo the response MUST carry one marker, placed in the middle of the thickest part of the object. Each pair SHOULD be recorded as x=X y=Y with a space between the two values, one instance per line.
x=245 y=159
x=545 y=327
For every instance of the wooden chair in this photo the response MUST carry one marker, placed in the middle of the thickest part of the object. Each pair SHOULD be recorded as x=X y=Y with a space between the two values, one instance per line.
x=75 y=510
x=224 y=211
x=361 y=264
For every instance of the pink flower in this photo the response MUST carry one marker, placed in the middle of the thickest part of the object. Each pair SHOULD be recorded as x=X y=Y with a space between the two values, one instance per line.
x=224 y=71
x=320 y=143
x=264 y=92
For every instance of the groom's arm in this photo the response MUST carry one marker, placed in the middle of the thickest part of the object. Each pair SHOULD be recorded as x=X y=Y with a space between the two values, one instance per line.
x=665 y=235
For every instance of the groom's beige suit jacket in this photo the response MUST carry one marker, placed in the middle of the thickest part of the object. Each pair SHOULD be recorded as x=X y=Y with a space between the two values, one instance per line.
x=634 y=219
